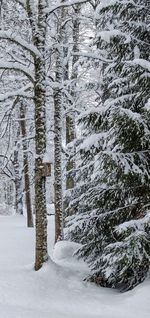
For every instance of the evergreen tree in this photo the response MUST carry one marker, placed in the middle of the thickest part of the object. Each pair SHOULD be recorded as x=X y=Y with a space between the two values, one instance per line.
x=112 y=198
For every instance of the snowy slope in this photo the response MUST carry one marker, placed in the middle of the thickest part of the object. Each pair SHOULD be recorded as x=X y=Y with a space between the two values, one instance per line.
x=57 y=291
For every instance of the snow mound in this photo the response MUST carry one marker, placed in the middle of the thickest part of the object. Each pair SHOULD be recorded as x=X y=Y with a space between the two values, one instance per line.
x=58 y=289
x=63 y=255
x=65 y=250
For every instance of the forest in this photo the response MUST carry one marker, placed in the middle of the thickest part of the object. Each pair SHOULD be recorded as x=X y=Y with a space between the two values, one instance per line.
x=74 y=158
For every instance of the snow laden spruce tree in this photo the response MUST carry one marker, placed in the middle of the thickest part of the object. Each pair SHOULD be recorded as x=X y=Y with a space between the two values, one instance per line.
x=112 y=199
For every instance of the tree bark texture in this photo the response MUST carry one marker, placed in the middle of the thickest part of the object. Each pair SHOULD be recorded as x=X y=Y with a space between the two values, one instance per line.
x=70 y=118
x=39 y=40
x=26 y=165
x=18 y=178
x=58 y=140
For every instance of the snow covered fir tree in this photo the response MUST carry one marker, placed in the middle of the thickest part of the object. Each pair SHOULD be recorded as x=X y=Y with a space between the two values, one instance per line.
x=74 y=158
x=111 y=198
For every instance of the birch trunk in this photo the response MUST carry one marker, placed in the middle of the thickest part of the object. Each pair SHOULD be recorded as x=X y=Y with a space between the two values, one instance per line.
x=58 y=139
x=26 y=166
x=70 y=119
x=39 y=40
x=18 y=178
x=40 y=140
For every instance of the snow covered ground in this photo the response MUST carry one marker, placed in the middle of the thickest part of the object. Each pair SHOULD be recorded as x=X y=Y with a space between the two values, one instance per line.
x=57 y=291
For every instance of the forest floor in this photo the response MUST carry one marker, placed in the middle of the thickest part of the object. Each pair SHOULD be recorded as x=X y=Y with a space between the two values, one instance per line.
x=56 y=291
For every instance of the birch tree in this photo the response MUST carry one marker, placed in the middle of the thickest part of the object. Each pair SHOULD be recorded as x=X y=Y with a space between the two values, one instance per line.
x=38 y=38
x=37 y=76
x=70 y=118
x=27 y=190
x=58 y=124
x=18 y=180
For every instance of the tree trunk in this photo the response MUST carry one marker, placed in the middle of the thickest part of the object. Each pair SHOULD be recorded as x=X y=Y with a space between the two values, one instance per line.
x=18 y=178
x=70 y=166
x=40 y=141
x=58 y=139
x=26 y=166
x=70 y=118
x=39 y=40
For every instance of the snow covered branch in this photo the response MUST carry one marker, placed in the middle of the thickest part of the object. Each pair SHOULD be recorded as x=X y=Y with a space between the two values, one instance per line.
x=22 y=3
x=65 y=4
x=17 y=67
x=7 y=35
x=23 y=92
x=141 y=62
x=92 y=56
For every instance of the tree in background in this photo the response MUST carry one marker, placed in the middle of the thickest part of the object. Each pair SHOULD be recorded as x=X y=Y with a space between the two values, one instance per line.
x=25 y=146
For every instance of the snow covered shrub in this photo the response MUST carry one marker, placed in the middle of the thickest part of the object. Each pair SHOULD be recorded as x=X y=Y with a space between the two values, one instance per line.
x=113 y=174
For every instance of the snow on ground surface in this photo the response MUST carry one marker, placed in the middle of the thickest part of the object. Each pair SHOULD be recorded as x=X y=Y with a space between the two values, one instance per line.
x=57 y=291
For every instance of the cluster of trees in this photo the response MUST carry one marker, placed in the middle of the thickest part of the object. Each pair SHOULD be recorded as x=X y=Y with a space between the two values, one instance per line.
x=75 y=79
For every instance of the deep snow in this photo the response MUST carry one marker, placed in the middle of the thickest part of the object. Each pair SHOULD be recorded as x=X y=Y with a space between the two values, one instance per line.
x=57 y=291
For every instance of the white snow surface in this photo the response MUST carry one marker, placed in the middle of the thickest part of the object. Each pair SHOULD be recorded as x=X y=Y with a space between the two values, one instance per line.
x=58 y=290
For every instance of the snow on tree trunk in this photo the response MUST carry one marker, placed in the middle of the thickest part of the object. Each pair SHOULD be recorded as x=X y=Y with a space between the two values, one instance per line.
x=70 y=117
x=40 y=141
x=17 y=178
x=39 y=40
x=58 y=139
x=26 y=166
